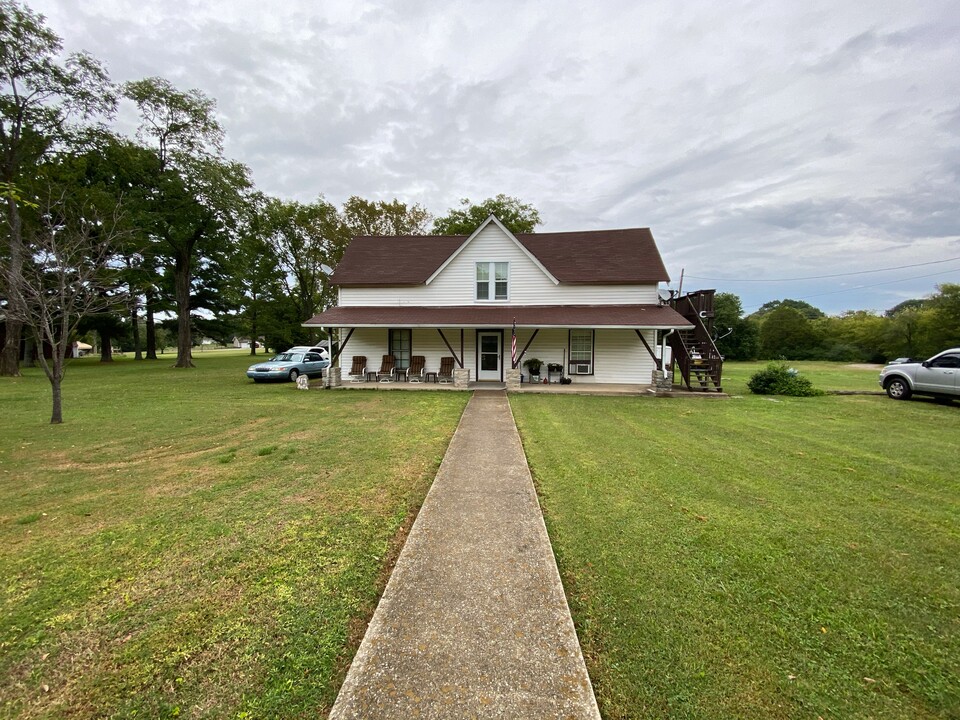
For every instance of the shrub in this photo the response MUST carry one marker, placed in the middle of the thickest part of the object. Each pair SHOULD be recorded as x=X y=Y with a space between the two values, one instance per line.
x=778 y=379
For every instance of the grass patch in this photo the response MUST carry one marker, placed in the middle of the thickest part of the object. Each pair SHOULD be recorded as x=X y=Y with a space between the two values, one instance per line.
x=823 y=375
x=756 y=559
x=190 y=543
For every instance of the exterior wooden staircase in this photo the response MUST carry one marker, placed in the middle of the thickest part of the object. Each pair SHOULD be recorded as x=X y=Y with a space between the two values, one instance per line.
x=694 y=352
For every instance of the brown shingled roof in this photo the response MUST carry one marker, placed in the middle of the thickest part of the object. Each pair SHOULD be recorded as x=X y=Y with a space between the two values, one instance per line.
x=595 y=257
x=394 y=259
x=599 y=257
x=592 y=316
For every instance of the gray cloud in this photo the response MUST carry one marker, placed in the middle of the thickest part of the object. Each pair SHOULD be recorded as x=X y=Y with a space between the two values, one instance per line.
x=754 y=139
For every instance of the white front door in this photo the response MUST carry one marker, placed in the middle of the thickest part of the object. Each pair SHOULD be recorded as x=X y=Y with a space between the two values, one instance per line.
x=488 y=360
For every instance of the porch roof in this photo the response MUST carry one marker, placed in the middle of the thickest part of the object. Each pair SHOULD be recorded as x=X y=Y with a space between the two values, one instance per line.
x=481 y=316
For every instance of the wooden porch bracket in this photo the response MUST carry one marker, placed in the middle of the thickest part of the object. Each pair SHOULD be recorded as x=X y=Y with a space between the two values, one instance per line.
x=333 y=358
x=522 y=352
x=657 y=360
x=459 y=360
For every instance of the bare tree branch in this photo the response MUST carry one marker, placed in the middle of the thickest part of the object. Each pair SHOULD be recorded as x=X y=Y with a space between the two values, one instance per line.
x=69 y=273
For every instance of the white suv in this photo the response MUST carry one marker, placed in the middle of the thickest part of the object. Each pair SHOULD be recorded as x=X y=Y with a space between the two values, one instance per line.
x=324 y=355
x=939 y=376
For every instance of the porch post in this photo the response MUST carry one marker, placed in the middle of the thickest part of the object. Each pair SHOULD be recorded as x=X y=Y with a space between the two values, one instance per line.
x=656 y=360
x=443 y=337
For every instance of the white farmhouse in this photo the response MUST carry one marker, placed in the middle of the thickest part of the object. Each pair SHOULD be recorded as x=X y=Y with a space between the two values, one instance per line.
x=584 y=301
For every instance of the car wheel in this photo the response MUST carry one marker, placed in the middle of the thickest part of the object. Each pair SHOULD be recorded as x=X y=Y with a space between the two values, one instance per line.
x=294 y=374
x=898 y=389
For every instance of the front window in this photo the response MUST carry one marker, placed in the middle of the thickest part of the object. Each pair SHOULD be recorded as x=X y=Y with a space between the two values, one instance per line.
x=400 y=342
x=581 y=352
x=493 y=280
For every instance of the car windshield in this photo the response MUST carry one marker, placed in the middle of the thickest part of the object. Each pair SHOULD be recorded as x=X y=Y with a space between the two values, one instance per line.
x=288 y=357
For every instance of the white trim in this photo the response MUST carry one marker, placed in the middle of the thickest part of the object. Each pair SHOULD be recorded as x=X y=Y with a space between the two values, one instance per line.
x=491 y=219
x=489 y=324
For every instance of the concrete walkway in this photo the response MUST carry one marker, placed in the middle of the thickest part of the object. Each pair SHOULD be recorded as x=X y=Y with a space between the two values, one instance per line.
x=473 y=622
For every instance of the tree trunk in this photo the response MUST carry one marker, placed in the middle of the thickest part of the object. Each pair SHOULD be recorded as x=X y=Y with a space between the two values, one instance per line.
x=56 y=417
x=135 y=326
x=151 y=327
x=106 y=347
x=253 y=335
x=10 y=354
x=182 y=280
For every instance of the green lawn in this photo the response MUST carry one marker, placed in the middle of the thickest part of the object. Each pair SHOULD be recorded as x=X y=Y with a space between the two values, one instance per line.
x=757 y=557
x=825 y=375
x=189 y=543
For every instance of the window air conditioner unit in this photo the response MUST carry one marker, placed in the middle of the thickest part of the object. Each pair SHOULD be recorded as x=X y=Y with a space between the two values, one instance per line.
x=580 y=368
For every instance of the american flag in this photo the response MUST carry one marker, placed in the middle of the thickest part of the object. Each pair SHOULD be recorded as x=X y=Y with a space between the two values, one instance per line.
x=513 y=345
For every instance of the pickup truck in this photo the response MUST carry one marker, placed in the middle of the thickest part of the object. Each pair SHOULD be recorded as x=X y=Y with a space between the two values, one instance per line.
x=939 y=376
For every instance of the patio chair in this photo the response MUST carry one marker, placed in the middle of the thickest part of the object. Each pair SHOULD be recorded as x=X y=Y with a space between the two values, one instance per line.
x=358 y=371
x=417 y=368
x=385 y=373
x=445 y=374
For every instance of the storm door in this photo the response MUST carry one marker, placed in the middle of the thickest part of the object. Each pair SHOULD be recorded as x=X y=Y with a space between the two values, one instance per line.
x=489 y=355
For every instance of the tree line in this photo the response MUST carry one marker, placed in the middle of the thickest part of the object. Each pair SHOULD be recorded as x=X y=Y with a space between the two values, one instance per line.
x=796 y=330
x=157 y=233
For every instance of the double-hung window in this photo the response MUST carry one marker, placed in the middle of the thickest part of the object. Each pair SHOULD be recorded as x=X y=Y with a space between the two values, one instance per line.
x=493 y=280
x=581 y=352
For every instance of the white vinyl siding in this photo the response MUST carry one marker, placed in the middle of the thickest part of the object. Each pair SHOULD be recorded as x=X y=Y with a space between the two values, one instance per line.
x=619 y=356
x=527 y=285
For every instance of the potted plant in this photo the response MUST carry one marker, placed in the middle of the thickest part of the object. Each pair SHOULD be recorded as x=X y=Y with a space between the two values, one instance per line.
x=533 y=367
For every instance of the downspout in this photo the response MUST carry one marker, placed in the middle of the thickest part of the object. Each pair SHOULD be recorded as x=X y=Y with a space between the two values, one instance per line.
x=663 y=352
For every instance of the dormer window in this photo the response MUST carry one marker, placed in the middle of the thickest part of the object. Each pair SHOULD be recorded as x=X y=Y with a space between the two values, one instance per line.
x=493 y=280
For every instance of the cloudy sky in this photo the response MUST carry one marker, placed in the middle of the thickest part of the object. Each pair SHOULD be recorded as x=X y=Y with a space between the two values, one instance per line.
x=760 y=141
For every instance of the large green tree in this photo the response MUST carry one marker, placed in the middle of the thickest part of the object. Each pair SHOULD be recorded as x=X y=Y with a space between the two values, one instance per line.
x=854 y=336
x=804 y=308
x=309 y=239
x=943 y=321
x=199 y=193
x=45 y=101
x=255 y=276
x=737 y=337
x=787 y=333
x=379 y=217
x=517 y=216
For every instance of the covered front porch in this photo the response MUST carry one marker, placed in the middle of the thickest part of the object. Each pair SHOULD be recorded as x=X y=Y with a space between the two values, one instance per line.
x=596 y=345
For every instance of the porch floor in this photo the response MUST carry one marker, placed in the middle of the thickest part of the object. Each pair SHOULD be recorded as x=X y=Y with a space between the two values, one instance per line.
x=574 y=388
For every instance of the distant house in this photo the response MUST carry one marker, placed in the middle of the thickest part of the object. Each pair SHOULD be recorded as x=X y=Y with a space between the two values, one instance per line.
x=584 y=301
x=81 y=349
